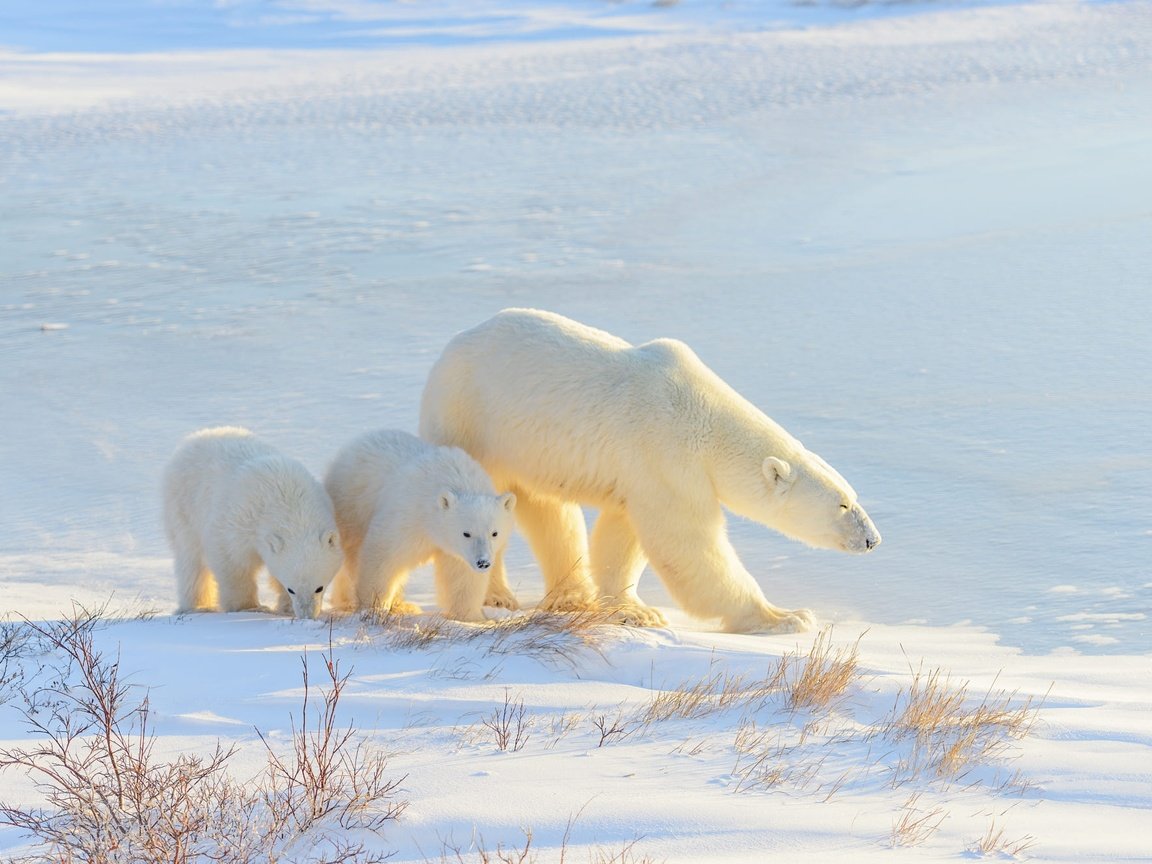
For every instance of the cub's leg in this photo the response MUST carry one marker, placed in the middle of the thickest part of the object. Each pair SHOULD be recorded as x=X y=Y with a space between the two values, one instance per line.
x=195 y=586
x=499 y=591
x=460 y=590
x=235 y=581
x=382 y=570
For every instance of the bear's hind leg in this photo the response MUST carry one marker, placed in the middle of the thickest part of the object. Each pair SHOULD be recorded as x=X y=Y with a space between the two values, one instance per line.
x=555 y=531
x=195 y=587
x=617 y=562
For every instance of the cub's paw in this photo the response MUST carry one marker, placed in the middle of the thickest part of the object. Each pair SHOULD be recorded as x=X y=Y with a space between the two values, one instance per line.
x=500 y=597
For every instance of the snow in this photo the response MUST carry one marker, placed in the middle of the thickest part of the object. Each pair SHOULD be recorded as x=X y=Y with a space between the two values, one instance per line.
x=916 y=236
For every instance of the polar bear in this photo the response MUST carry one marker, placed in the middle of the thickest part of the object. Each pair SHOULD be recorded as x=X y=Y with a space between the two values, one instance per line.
x=233 y=503
x=400 y=503
x=566 y=415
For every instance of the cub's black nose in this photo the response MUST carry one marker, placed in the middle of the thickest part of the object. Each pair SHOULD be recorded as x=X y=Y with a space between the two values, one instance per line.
x=483 y=563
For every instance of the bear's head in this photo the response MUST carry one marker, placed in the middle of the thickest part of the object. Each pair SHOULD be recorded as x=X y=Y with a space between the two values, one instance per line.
x=808 y=501
x=305 y=560
x=473 y=527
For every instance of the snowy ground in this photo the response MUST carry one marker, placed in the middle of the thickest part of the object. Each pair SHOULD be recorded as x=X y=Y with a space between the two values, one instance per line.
x=920 y=242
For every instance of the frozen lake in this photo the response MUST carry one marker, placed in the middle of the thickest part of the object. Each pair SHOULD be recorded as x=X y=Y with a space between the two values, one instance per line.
x=925 y=252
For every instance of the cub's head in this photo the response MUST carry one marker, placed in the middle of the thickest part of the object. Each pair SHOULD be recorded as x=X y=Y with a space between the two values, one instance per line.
x=812 y=503
x=304 y=560
x=474 y=528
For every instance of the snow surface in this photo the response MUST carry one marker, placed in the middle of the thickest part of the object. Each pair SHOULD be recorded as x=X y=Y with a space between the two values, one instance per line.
x=921 y=242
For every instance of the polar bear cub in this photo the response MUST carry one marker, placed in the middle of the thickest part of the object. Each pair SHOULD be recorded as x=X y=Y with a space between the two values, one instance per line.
x=401 y=503
x=233 y=503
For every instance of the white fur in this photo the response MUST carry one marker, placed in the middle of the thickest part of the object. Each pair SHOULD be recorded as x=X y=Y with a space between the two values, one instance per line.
x=233 y=503
x=566 y=415
x=400 y=503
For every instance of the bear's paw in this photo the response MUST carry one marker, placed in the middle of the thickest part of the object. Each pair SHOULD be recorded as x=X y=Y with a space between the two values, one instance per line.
x=637 y=615
x=773 y=620
x=501 y=597
x=572 y=596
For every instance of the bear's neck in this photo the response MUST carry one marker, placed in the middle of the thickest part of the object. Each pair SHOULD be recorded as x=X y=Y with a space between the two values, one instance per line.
x=742 y=437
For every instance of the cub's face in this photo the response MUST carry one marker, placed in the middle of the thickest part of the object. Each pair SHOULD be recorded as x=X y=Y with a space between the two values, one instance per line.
x=815 y=505
x=474 y=528
x=305 y=563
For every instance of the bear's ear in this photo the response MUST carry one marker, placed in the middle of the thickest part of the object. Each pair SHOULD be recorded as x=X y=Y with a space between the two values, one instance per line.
x=778 y=473
x=447 y=500
x=330 y=539
x=508 y=499
x=275 y=543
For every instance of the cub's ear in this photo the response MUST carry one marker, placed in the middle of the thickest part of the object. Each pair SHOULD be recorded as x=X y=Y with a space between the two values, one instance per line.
x=275 y=543
x=778 y=473
x=508 y=499
x=447 y=500
x=330 y=539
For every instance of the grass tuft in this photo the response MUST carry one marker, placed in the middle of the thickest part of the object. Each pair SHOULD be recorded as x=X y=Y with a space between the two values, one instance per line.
x=995 y=843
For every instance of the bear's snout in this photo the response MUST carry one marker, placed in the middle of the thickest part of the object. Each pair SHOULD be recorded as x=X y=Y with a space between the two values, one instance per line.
x=483 y=563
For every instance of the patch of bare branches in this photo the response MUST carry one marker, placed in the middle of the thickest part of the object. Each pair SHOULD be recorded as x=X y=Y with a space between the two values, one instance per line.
x=509 y=724
x=111 y=798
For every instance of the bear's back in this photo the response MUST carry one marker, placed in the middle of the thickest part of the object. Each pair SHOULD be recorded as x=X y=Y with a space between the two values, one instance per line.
x=534 y=395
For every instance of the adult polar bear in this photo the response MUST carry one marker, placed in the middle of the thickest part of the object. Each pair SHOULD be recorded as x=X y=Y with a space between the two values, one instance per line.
x=563 y=415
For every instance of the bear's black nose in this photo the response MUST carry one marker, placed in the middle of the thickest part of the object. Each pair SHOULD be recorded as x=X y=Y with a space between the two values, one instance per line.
x=483 y=563
x=871 y=543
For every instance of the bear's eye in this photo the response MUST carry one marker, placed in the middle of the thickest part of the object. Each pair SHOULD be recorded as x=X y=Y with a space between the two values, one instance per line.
x=290 y=591
x=843 y=506
x=494 y=533
x=466 y=534
x=318 y=590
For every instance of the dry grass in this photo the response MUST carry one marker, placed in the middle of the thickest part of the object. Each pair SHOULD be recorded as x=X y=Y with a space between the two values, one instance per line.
x=950 y=736
x=477 y=852
x=555 y=638
x=995 y=843
x=916 y=824
x=776 y=756
x=111 y=799
x=822 y=679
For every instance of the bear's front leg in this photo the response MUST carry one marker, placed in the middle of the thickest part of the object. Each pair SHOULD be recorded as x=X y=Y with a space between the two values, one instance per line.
x=693 y=557
x=235 y=583
x=381 y=573
x=283 y=604
x=342 y=591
